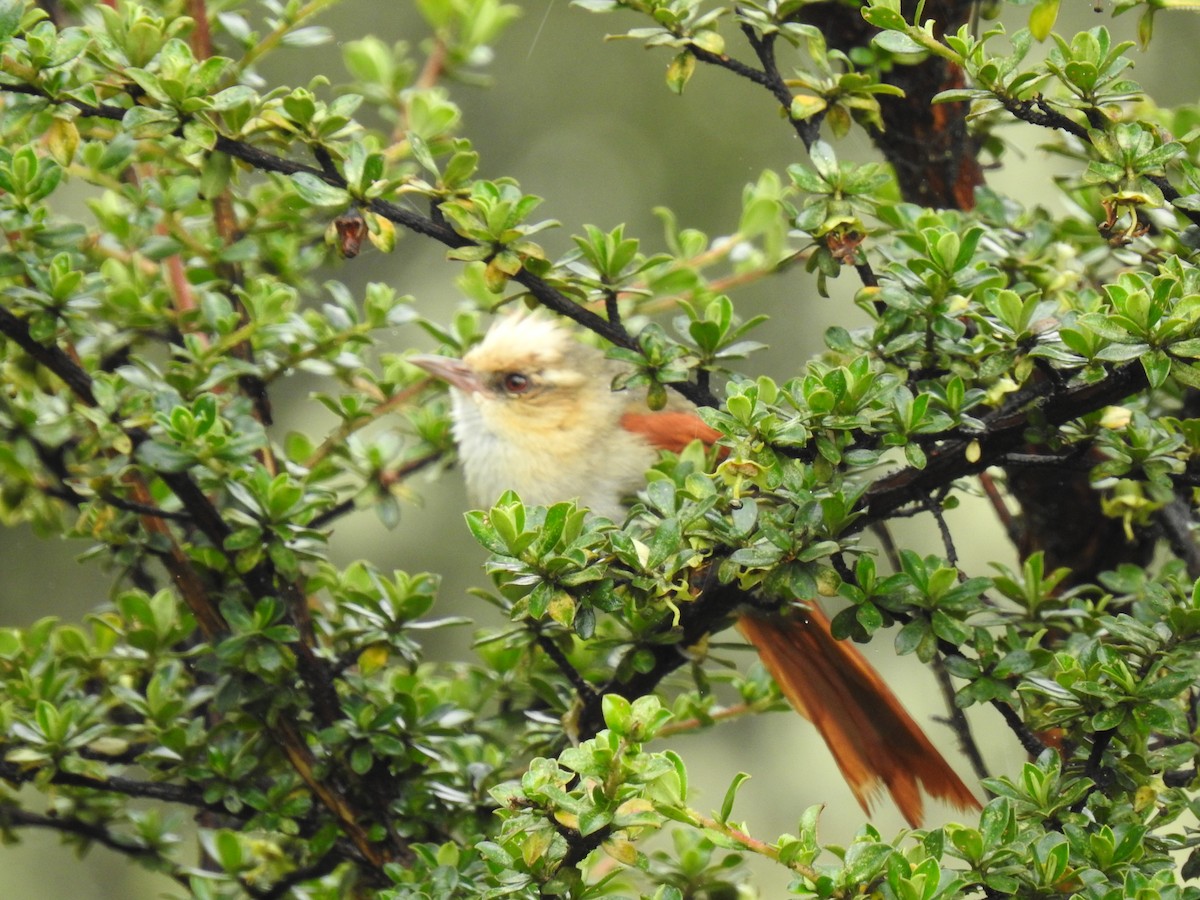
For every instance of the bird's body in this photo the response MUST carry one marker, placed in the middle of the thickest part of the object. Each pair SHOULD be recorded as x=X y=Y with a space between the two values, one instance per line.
x=534 y=412
x=541 y=439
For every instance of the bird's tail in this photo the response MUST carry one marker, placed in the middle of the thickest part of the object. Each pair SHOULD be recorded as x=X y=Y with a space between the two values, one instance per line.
x=874 y=741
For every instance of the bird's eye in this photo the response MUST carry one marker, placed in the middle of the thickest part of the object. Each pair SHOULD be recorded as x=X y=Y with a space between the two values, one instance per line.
x=515 y=382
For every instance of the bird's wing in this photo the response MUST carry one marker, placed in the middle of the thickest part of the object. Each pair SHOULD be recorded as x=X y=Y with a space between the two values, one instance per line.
x=669 y=430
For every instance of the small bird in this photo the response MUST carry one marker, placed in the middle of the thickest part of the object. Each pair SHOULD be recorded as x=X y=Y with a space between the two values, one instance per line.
x=534 y=412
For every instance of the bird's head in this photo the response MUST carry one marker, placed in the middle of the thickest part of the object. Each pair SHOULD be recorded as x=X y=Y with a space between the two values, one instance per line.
x=529 y=380
x=535 y=412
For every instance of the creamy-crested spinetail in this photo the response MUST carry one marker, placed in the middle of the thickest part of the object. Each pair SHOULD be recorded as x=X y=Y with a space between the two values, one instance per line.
x=535 y=412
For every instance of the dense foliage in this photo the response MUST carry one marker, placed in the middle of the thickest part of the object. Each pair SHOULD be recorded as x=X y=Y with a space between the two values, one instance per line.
x=238 y=677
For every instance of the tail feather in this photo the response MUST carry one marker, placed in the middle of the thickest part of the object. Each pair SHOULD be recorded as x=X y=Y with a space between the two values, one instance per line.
x=874 y=741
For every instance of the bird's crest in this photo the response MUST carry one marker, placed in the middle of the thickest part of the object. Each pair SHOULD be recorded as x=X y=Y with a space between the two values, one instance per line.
x=526 y=342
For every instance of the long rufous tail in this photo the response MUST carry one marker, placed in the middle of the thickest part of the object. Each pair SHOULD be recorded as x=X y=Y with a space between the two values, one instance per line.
x=874 y=741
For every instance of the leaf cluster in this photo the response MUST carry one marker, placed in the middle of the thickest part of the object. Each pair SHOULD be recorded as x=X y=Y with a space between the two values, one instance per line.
x=237 y=677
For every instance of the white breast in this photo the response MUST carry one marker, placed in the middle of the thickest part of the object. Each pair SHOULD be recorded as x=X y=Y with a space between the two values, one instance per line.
x=597 y=469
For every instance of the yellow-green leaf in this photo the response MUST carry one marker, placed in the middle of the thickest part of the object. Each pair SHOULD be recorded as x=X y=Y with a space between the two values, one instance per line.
x=1042 y=18
x=680 y=71
x=62 y=137
x=805 y=106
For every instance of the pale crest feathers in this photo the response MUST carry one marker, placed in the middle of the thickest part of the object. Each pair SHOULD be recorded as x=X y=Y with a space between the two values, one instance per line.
x=539 y=339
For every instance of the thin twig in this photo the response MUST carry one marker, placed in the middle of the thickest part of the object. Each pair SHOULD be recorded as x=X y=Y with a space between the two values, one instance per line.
x=1032 y=744
x=14 y=817
x=348 y=427
x=764 y=48
x=115 y=784
x=386 y=480
x=1038 y=111
x=583 y=690
x=754 y=845
x=957 y=719
x=725 y=714
x=939 y=516
x=1003 y=513
x=890 y=549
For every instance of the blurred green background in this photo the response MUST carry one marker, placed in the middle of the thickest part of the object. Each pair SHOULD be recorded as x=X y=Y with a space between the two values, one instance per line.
x=591 y=127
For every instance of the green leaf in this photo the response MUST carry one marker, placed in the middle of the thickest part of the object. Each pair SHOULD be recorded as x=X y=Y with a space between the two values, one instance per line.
x=915 y=456
x=232 y=97
x=967 y=841
x=1187 y=375
x=663 y=542
x=884 y=17
x=480 y=527
x=317 y=192
x=731 y=796
x=865 y=860
x=709 y=40
x=1042 y=18
x=897 y=42
x=911 y=635
x=618 y=713
x=164 y=457
x=228 y=850
x=10 y=17
x=680 y=71
x=824 y=161
x=1157 y=366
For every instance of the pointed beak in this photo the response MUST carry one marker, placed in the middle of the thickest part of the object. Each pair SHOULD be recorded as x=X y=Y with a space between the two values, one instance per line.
x=453 y=371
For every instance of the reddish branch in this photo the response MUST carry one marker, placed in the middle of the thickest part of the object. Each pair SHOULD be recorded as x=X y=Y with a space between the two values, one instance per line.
x=262 y=581
x=928 y=145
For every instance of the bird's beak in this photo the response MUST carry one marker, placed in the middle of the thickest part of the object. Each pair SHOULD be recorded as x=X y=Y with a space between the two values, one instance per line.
x=453 y=371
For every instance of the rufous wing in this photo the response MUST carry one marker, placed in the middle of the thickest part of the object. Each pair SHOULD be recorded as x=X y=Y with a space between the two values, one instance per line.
x=670 y=429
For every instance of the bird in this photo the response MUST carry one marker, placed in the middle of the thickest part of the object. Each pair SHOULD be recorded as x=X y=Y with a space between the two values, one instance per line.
x=534 y=411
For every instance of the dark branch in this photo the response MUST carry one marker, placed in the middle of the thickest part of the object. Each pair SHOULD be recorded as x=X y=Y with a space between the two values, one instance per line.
x=51 y=358
x=764 y=49
x=585 y=692
x=732 y=65
x=710 y=612
x=1001 y=434
x=580 y=845
x=115 y=784
x=1031 y=743
x=1036 y=111
x=1094 y=767
x=957 y=720
x=1176 y=521
x=935 y=509
x=385 y=480
x=548 y=296
x=13 y=817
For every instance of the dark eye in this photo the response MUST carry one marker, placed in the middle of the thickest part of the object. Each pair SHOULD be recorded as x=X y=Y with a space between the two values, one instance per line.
x=515 y=382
